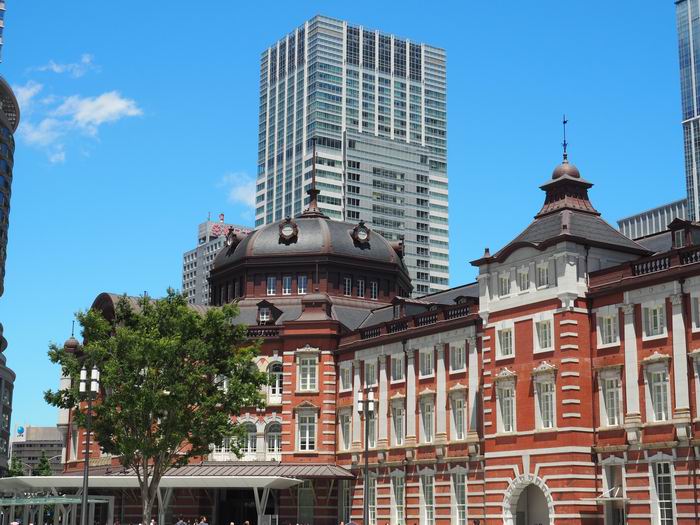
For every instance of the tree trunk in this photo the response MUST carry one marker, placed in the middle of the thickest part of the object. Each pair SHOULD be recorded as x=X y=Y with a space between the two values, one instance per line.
x=146 y=504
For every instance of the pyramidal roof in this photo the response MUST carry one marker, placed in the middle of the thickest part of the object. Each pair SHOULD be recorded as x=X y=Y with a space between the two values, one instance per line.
x=567 y=214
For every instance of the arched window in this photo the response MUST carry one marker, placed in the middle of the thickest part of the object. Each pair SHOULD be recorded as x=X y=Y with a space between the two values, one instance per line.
x=250 y=443
x=275 y=388
x=273 y=439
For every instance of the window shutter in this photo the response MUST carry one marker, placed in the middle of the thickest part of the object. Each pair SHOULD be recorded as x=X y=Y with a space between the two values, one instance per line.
x=551 y=273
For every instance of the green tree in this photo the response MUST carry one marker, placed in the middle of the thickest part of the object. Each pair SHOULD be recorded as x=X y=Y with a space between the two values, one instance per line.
x=43 y=468
x=16 y=468
x=170 y=379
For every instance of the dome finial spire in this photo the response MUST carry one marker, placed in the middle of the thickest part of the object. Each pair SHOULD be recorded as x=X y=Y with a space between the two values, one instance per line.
x=564 y=144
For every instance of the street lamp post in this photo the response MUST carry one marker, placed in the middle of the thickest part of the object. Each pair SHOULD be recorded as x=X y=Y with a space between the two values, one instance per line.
x=88 y=388
x=366 y=407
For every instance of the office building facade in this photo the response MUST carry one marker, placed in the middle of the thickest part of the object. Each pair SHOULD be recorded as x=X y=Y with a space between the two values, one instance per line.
x=654 y=221
x=373 y=106
x=30 y=443
x=197 y=263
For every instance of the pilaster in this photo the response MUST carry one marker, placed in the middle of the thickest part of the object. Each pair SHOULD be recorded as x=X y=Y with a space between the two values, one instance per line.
x=681 y=409
x=633 y=418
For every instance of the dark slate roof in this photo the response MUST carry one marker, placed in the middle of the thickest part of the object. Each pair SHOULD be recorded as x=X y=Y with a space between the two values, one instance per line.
x=658 y=243
x=317 y=236
x=245 y=469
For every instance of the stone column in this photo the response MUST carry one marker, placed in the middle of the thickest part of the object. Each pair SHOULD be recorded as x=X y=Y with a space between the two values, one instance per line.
x=411 y=398
x=633 y=418
x=681 y=410
x=382 y=440
x=473 y=387
x=357 y=441
x=440 y=396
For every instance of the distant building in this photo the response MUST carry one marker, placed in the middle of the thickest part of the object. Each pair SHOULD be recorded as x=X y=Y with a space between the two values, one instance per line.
x=196 y=263
x=29 y=443
x=651 y=222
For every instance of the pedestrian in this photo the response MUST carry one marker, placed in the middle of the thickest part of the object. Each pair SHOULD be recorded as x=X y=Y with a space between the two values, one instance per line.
x=180 y=521
x=203 y=520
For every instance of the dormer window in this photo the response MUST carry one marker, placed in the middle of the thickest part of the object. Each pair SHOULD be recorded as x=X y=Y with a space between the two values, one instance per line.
x=397 y=311
x=678 y=239
x=264 y=315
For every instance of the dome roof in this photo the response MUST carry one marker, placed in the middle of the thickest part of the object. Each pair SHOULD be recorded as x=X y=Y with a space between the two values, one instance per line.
x=313 y=235
x=565 y=169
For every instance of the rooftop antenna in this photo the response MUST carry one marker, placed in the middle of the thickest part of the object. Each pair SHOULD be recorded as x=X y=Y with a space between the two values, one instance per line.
x=564 y=144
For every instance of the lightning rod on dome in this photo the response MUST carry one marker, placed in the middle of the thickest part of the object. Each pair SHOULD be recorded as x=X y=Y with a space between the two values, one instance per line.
x=564 y=144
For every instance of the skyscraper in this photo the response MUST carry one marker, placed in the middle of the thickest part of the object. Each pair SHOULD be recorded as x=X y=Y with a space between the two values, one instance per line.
x=688 y=24
x=374 y=107
x=9 y=120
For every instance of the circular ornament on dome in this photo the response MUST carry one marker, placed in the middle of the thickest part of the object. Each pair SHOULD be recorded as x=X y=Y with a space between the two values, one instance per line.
x=361 y=233
x=288 y=231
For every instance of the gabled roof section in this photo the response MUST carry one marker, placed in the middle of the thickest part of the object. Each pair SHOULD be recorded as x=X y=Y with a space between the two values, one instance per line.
x=567 y=214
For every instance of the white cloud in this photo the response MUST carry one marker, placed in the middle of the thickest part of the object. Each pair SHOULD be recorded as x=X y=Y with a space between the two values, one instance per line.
x=26 y=93
x=91 y=112
x=58 y=156
x=45 y=133
x=240 y=188
x=74 y=69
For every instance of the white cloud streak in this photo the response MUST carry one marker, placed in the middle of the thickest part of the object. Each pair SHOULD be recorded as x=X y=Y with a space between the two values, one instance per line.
x=89 y=113
x=240 y=188
x=26 y=93
x=74 y=69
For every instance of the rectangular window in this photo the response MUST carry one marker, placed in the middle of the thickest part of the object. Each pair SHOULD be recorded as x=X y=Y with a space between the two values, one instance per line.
x=678 y=241
x=347 y=289
x=345 y=378
x=523 y=279
x=545 y=403
x=264 y=315
x=397 y=369
x=426 y=362
x=373 y=290
x=428 y=500
x=370 y=373
x=427 y=420
x=608 y=329
x=287 y=285
x=307 y=374
x=371 y=423
x=458 y=357
x=664 y=492
x=399 y=418
x=658 y=386
x=345 y=432
x=345 y=503
x=398 y=485
x=271 y=285
x=544 y=335
x=360 y=287
x=460 y=487
x=505 y=342
x=372 y=499
x=506 y=402
x=542 y=275
x=458 y=416
x=654 y=320
x=504 y=284
x=307 y=431
x=301 y=284
x=611 y=398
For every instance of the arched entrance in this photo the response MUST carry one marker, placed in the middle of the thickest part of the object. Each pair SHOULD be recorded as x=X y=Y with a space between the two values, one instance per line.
x=528 y=502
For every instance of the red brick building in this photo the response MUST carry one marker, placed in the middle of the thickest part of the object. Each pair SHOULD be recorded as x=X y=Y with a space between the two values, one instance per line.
x=560 y=388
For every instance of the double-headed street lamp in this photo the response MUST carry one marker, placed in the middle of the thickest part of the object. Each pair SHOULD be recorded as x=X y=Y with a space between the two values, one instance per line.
x=89 y=387
x=366 y=407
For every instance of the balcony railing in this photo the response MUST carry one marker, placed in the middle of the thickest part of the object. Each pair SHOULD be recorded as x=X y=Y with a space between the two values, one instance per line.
x=256 y=332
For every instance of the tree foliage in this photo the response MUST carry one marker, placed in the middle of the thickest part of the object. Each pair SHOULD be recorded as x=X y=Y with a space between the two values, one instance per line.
x=43 y=468
x=170 y=378
x=16 y=468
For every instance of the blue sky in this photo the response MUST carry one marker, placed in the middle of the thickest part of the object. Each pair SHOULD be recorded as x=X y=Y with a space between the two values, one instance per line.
x=138 y=120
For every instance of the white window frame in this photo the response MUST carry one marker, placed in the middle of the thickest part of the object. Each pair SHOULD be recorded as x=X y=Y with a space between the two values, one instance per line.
x=273 y=442
x=543 y=321
x=504 y=284
x=345 y=373
x=306 y=419
x=458 y=357
x=398 y=498
x=610 y=395
x=286 y=285
x=608 y=323
x=373 y=424
x=398 y=423
x=427 y=419
x=542 y=277
x=426 y=362
x=345 y=429
x=264 y=314
x=654 y=313
x=361 y=288
x=307 y=373
x=523 y=275
x=347 y=286
x=302 y=284
x=505 y=407
x=427 y=498
x=372 y=498
x=373 y=290
x=345 y=503
x=658 y=413
x=397 y=363
x=271 y=283
x=275 y=388
x=459 y=497
x=458 y=412
x=695 y=311
x=545 y=402
x=502 y=328
x=666 y=469
x=370 y=370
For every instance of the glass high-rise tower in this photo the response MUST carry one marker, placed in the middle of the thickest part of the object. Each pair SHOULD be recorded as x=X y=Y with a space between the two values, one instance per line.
x=374 y=106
